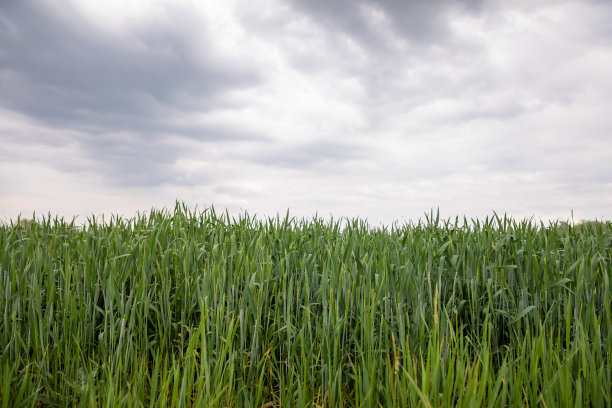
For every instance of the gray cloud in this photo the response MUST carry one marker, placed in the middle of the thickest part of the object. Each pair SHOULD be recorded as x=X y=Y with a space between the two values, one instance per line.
x=60 y=70
x=307 y=155
x=122 y=96
x=403 y=54
x=419 y=22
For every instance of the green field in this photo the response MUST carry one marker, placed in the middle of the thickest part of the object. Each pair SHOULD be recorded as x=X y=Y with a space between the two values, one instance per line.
x=184 y=308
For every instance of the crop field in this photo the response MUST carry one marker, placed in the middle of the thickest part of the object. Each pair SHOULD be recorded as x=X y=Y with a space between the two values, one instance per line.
x=187 y=308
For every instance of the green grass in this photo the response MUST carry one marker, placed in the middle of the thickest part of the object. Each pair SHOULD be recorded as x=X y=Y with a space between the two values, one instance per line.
x=190 y=308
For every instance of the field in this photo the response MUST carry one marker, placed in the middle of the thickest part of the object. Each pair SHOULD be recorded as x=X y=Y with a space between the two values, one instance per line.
x=183 y=308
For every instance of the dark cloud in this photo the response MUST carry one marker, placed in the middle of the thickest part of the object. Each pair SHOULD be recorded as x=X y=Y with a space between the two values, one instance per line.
x=62 y=71
x=121 y=97
x=419 y=22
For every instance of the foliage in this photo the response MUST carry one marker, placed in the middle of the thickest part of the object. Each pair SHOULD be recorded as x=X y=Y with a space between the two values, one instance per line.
x=190 y=308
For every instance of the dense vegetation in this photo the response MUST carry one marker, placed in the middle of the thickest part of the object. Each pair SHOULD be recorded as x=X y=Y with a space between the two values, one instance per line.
x=190 y=308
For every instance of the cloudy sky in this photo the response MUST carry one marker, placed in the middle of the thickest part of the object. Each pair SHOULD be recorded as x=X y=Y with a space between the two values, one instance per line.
x=377 y=109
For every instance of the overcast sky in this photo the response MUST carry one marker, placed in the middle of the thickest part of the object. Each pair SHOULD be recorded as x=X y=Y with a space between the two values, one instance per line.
x=377 y=109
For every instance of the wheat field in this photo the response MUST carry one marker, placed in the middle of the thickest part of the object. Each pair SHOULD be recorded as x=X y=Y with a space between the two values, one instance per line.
x=187 y=308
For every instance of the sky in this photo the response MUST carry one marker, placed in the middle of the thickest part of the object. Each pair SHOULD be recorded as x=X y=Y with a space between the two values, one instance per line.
x=382 y=110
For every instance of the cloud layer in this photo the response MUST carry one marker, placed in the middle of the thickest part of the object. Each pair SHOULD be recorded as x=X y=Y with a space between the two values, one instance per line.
x=379 y=109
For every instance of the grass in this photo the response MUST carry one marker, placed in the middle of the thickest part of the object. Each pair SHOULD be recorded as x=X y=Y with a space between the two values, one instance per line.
x=186 y=308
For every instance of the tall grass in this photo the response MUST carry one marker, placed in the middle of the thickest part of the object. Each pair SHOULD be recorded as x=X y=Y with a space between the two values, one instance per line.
x=190 y=308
